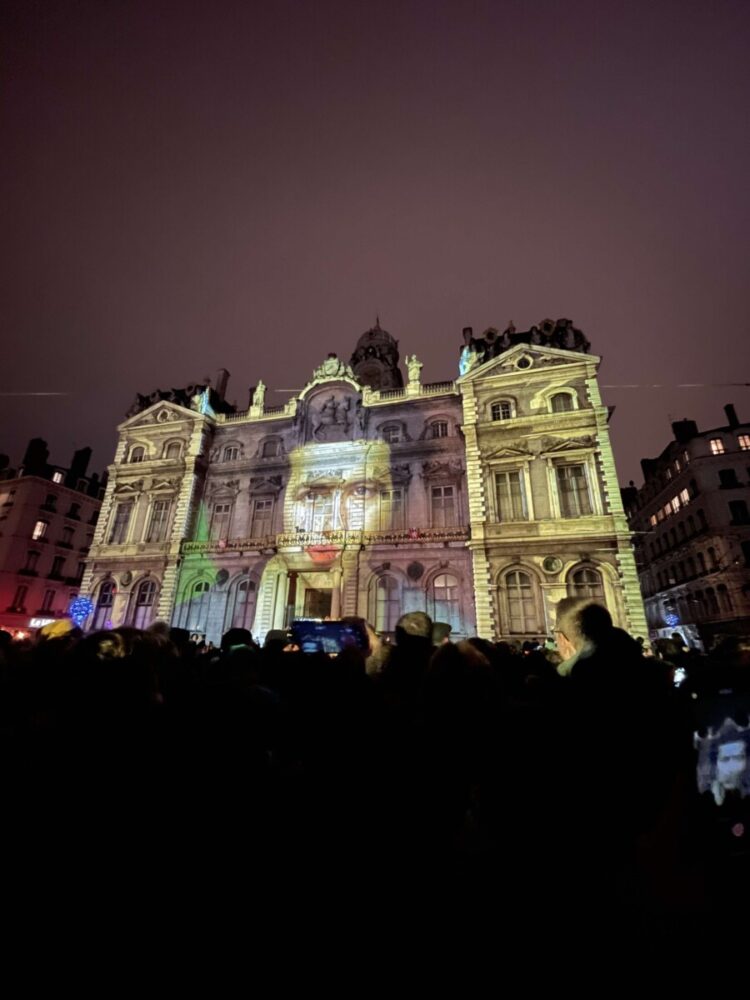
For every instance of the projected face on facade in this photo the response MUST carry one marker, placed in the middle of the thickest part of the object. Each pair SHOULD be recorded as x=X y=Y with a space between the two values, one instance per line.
x=724 y=761
x=338 y=503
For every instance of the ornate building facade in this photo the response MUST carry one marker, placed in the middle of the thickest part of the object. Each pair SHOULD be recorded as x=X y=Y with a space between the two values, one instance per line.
x=481 y=500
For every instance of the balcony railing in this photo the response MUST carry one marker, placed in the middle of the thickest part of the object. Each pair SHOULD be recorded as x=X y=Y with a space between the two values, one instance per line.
x=326 y=539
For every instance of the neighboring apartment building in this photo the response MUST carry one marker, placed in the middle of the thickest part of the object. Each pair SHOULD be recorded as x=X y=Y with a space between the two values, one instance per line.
x=47 y=519
x=691 y=524
x=481 y=500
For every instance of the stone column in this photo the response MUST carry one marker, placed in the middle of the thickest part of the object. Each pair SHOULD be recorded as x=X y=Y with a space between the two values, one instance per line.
x=336 y=594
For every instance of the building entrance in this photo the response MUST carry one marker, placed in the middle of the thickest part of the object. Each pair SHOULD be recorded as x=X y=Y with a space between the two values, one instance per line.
x=318 y=602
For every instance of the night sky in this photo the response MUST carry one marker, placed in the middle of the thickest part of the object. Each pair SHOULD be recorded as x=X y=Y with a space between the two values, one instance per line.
x=245 y=185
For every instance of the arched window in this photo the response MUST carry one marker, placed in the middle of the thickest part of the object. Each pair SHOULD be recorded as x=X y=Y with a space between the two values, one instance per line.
x=438 y=429
x=385 y=606
x=241 y=609
x=138 y=453
x=391 y=433
x=198 y=606
x=713 y=604
x=700 y=605
x=725 y=601
x=503 y=409
x=561 y=402
x=104 y=604
x=446 y=600
x=522 y=605
x=271 y=448
x=173 y=450
x=586 y=582
x=144 y=603
x=231 y=453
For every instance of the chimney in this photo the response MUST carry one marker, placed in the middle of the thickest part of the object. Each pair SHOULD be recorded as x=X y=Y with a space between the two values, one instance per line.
x=222 y=378
x=684 y=430
x=731 y=415
x=78 y=466
x=35 y=459
x=467 y=331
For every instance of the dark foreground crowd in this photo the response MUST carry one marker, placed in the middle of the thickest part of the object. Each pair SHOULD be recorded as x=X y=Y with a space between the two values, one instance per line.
x=547 y=794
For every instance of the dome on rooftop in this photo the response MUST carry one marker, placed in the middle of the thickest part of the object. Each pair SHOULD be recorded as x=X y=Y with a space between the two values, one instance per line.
x=375 y=335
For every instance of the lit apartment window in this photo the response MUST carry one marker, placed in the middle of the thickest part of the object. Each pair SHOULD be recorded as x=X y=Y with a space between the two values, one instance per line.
x=652 y=520
x=57 y=477
x=573 y=490
x=686 y=458
x=40 y=529
x=668 y=473
x=684 y=498
x=509 y=493
x=502 y=410
x=677 y=465
x=743 y=440
x=717 y=446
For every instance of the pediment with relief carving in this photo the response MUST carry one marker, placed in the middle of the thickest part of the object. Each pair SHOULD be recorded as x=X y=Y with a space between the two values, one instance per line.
x=550 y=444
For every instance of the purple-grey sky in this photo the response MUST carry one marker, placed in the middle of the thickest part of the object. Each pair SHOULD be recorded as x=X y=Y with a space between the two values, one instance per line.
x=188 y=186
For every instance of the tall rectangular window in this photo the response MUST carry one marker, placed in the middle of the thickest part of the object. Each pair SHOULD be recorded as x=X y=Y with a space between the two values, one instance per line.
x=743 y=440
x=220 y=517
x=443 y=506
x=739 y=511
x=31 y=560
x=391 y=510
x=717 y=446
x=157 y=526
x=119 y=533
x=509 y=492
x=40 y=529
x=49 y=598
x=57 y=566
x=262 y=514
x=322 y=512
x=573 y=489
x=19 y=599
